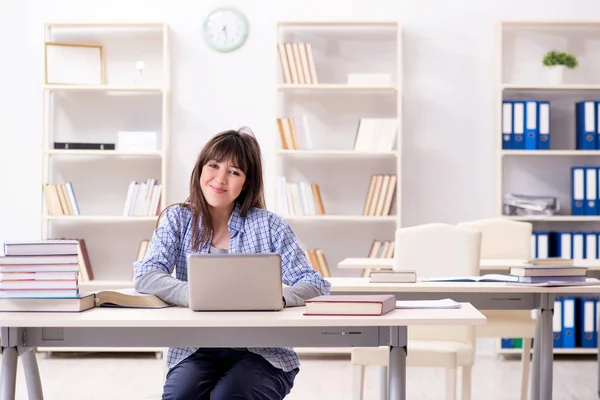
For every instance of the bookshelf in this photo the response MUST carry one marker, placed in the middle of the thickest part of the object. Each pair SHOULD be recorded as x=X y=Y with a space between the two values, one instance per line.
x=132 y=95
x=338 y=124
x=520 y=76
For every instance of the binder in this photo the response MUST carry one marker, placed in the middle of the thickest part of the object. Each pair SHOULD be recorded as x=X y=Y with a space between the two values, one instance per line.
x=544 y=125
x=531 y=125
x=577 y=190
x=585 y=125
x=507 y=124
x=542 y=245
x=557 y=323
x=591 y=246
x=533 y=243
x=568 y=322
x=578 y=246
x=507 y=343
x=588 y=332
x=518 y=125
x=591 y=191
x=565 y=245
x=598 y=125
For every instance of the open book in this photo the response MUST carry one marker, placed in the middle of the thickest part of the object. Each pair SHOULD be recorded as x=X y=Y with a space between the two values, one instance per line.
x=482 y=278
x=125 y=298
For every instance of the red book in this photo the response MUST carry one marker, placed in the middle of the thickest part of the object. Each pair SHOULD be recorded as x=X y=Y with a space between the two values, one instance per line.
x=363 y=304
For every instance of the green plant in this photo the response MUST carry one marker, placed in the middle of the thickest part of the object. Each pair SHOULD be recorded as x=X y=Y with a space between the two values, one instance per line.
x=553 y=58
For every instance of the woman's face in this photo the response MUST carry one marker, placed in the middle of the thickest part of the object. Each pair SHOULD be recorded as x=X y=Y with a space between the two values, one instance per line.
x=221 y=183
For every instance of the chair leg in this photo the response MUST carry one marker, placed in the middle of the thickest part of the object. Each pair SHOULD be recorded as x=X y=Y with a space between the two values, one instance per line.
x=466 y=382
x=525 y=367
x=358 y=380
x=451 y=378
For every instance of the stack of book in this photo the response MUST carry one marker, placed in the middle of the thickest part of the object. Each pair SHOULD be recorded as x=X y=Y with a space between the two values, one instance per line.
x=39 y=269
x=551 y=270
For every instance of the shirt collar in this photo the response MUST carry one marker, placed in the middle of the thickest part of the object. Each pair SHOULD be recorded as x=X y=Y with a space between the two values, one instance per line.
x=236 y=221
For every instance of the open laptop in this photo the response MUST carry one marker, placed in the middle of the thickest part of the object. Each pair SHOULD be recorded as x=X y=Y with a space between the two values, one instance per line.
x=235 y=282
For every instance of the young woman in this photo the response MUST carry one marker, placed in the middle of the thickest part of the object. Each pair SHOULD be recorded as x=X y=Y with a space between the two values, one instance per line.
x=225 y=213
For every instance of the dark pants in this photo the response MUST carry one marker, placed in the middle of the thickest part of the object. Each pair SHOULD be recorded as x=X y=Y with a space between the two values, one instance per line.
x=227 y=374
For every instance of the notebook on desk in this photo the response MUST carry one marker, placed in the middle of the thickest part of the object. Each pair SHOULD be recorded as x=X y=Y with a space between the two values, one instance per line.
x=235 y=282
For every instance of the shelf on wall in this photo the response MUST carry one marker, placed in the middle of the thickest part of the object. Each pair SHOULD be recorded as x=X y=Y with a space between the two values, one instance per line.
x=557 y=218
x=337 y=153
x=342 y=218
x=103 y=153
x=100 y=218
x=337 y=86
x=564 y=86
x=545 y=153
x=103 y=88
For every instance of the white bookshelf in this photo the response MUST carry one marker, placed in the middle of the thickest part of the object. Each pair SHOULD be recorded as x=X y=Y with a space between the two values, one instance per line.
x=95 y=113
x=331 y=107
x=521 y=47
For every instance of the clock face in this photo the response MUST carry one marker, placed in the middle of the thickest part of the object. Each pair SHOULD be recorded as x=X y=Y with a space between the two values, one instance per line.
x=225 y=29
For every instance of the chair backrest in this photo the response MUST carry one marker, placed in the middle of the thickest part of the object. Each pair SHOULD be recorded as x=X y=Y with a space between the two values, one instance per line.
x=503 y=238
x=439 y=250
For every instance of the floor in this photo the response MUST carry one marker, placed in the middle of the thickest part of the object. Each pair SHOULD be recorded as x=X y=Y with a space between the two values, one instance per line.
x=132 y=376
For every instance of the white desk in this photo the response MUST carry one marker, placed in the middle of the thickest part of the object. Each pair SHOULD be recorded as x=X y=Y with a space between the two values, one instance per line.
x=495 y=265
x=178 y=326
x=486 y=296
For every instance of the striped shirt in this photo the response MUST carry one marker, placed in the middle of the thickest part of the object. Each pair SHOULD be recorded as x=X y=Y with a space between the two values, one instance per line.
x=261 y=231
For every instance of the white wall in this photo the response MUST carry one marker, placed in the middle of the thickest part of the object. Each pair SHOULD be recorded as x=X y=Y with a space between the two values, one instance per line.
x=448 y=79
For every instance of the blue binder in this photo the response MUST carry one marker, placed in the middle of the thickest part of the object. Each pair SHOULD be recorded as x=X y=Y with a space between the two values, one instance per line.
x=507 y=124
x=577 y=190
x=557 y=336
x=587 y=327
x=518 y=125
x=585 y=125
x=568 y=322
x=543 y=125
x=591 y=191
x=531 y=125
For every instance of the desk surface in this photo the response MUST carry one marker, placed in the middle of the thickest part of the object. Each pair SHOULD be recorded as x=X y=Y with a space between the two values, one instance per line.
x=183 y=317
x=344 y=284
x=388 y=263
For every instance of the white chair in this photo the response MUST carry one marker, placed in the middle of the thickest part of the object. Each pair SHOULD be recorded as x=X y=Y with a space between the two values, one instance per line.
x=431 y=250
x=507 y=239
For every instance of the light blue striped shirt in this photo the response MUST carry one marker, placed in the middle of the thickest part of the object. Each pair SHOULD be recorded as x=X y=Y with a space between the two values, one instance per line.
x=261 y=231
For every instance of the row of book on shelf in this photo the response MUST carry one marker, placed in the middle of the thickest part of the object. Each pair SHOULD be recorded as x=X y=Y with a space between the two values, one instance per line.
x=380 y=195
x=585 y=190
x=372 y=134
x=60 y=199
x=569 y=245
x=526 y=125
x=317 y=260
x=297 y=63
x=143 y=199
x=299 y=198
x=574 y=322
x=304 y=199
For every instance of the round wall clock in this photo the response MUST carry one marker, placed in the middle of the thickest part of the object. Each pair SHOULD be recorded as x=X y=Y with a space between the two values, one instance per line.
x=225 y=29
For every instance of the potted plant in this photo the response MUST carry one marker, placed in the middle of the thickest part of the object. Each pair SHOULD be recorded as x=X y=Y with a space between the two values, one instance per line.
x=555 y=63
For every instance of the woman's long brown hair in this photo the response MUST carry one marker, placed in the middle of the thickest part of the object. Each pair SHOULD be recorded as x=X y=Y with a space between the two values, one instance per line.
x=242 y=148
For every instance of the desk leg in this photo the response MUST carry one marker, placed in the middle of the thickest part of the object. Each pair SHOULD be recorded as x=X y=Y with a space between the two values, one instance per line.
x=8 y=375
x=397 y=373
x=535 y=364
x=32 y=375
x=383 y=383
x=546 y=353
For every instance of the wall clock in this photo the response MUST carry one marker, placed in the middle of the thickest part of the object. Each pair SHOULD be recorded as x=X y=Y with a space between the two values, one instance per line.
x=225 y=29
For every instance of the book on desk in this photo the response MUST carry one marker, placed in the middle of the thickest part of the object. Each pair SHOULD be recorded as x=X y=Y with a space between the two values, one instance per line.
x=122 y=298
